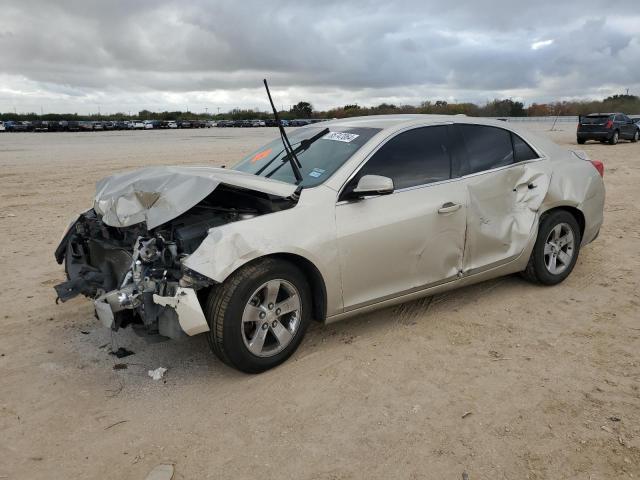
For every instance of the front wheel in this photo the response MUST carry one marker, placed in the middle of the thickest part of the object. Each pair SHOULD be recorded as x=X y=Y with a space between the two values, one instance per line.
x=556 y=250
x=259 y=315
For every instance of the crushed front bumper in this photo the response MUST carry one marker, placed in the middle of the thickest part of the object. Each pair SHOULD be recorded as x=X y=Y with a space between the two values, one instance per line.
x=182 y=313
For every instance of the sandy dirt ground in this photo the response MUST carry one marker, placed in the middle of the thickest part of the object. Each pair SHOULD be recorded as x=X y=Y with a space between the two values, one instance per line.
x=550 y=376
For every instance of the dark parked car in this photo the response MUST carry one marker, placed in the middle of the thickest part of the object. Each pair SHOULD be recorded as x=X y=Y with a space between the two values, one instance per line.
x=40 y=126
x=72 y=126
x=607 y=127
x=55 y=126
x=184 y=124
x=12 y=126
x=224 y=123
x=299 y=122
x=8 y=125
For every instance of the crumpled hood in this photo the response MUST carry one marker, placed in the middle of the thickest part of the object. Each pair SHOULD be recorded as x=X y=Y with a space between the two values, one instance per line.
x=156 y=195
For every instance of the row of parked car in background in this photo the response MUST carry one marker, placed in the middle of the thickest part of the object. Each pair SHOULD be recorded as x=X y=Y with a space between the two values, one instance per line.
x=80 y=126
x=298 y=122
x=85 y=126
x=608 y=128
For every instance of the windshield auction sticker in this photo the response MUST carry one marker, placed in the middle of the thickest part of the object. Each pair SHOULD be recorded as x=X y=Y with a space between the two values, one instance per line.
x=340 y=136
x=316 y=172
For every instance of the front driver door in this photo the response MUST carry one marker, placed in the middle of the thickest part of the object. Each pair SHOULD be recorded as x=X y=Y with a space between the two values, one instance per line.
x=412 y=238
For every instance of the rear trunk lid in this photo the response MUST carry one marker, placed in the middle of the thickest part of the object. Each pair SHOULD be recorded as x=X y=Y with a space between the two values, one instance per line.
x=593 y=123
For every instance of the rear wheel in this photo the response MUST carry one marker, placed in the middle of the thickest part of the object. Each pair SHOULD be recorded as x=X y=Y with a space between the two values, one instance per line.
x=581 y=141
x=259 y=315
x=556 y=250
x=614 y=138
x=636 y=136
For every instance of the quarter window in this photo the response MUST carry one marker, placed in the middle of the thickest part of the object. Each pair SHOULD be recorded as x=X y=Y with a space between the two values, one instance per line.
x=521 y=150
x=417 y=157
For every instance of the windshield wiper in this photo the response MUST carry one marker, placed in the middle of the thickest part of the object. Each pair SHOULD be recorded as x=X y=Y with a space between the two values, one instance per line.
x=293 y=159
x=304 y=145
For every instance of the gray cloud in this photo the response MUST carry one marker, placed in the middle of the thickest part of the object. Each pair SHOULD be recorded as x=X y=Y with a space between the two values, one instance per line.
x=73 y=55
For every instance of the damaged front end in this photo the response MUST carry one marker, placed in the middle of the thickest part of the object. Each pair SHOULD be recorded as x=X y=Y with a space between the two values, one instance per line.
x=135 y=274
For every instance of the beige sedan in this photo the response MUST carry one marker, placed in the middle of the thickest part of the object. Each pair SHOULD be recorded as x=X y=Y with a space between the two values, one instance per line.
x=389 y=209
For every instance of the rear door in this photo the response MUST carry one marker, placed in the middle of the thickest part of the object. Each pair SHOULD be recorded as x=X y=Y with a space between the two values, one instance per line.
x=506 y=182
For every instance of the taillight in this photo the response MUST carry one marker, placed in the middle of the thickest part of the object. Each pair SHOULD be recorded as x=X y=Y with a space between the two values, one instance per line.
x=609 y=124
x=599 y=166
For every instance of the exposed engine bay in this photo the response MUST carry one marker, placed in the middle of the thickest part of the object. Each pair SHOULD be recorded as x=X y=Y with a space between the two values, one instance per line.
x=136 y=275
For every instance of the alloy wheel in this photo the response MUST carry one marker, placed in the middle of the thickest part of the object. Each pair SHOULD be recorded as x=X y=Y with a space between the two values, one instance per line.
x=271 y=318
x=559 y=248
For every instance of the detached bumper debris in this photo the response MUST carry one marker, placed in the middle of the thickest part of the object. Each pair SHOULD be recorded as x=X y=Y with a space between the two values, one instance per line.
x=161 y=472
x=158 y=373
x=122 y=352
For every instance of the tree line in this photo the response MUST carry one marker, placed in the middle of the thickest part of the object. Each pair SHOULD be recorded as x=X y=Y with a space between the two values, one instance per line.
x=629 y=104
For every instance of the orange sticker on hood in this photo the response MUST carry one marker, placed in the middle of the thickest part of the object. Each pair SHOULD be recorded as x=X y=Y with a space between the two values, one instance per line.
x=261 y=155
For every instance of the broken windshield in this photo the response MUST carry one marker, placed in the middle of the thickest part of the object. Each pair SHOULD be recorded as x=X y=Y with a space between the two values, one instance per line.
x=319 y=160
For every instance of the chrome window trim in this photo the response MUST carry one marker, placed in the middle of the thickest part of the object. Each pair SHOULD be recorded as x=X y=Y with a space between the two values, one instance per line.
x=384 y=141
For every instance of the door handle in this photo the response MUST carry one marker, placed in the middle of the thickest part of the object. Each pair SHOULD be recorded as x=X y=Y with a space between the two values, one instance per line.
x=449 y=207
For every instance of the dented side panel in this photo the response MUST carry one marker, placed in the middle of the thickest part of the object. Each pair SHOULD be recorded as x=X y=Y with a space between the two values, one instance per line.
x=502 y=212
x=587 y=195
x=308 y=231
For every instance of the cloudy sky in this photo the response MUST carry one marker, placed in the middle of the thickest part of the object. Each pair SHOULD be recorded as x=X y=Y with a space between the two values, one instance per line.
x=123 y=55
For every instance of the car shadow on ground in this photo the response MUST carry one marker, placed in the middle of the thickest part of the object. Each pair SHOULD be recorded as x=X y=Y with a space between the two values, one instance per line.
x=189 y=360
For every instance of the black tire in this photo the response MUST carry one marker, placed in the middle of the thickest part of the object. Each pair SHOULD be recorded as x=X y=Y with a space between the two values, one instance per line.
x=536 y=270
x=636 y=136
x=581 y=141
x=225 y=306
x=614 y=138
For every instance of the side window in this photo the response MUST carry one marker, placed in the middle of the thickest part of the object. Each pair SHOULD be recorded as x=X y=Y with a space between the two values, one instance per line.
x=412 y=158
x=486 y=147
x=521 y=150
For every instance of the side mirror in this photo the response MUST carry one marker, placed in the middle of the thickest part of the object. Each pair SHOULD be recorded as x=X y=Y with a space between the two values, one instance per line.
x=373 y=185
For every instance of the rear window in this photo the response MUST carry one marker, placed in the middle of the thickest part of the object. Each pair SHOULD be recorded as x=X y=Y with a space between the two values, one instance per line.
x=595 y=119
